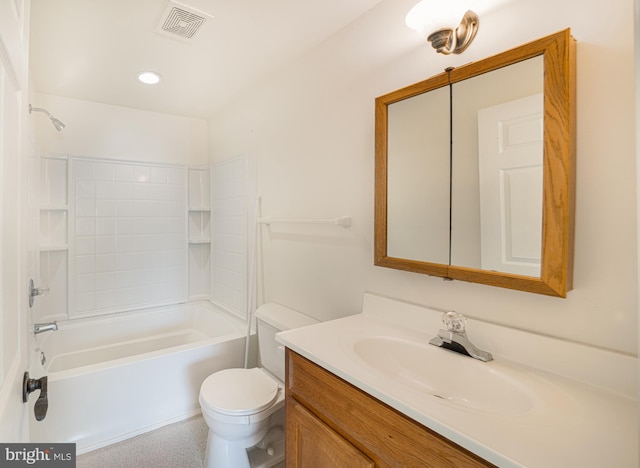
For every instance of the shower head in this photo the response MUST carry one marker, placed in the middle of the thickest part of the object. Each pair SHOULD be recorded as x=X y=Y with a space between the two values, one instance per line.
x=56 y=123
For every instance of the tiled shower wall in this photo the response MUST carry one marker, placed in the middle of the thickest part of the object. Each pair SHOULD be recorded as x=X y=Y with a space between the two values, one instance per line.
x=129 y=230
x=117 y=236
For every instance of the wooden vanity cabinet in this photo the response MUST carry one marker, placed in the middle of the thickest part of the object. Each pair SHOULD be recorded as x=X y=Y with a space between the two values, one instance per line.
x=331 y=424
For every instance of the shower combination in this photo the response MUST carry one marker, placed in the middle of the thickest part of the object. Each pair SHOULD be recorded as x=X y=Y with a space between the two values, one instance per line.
x=56 y=123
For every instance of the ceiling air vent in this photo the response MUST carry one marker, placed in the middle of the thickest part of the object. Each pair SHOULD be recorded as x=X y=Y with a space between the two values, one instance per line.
x=180 y=21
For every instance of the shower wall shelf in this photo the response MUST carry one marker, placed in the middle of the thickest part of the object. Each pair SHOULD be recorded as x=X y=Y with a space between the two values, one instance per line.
x=54 y=248
x=199 y=232
x=202 y=240
x=54 y=231
x=344 y=221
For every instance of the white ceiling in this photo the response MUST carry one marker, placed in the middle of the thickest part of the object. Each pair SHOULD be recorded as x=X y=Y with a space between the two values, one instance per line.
x=93 y=49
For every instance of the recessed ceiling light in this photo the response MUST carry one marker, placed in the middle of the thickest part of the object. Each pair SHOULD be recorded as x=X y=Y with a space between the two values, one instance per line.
x=148 y=77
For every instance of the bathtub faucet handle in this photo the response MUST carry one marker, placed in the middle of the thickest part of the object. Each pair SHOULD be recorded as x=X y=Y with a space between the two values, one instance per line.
x=33 y=292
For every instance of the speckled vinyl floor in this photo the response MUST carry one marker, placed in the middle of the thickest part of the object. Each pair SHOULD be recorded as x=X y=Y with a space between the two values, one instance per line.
x=179 y=445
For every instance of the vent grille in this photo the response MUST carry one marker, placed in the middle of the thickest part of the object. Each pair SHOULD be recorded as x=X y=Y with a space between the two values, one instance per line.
x=181 y=21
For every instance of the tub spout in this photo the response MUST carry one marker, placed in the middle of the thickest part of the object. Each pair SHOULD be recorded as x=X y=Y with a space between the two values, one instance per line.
x=44 y=327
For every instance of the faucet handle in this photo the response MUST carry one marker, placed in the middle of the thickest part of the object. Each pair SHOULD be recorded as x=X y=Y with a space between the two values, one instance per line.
x=454 y=321
x=33 y=292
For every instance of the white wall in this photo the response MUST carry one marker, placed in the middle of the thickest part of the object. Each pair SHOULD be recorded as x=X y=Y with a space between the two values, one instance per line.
x=106 y=131
x=311 y=128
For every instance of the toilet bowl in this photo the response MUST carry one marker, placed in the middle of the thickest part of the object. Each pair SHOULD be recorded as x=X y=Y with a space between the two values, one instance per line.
x=242 y=406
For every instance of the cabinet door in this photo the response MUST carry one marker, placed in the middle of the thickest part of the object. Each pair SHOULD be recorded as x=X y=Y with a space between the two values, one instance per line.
x=313 y=444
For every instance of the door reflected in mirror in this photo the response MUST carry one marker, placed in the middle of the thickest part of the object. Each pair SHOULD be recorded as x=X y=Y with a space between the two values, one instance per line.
x=497 y=151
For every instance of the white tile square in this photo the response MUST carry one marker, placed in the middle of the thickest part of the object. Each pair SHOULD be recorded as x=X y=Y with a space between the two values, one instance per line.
x=85 y=302
x=105 y=208
x=85 y=283
x=105 y=226
x=82 y=170
x=141 y=191
x=105 y=299
x=85 y=208
x=85 y=245
x=176 y=193
x=176 y=176
x=143 y=225
x=125 y=208
x=125 y=278
x=158 y=175
x=123 y=191
x=160 y=192
x=126 y=261
x=85 y=227
x=105 y=189
x=85 y=264
x=105 y=281
x=125 y=226
x=105 y=171
x=125 y=244
x=124 y=172
x=141 y=173
x=105 y=244
x=85 y=188
x=142 y=208
x=105 y=262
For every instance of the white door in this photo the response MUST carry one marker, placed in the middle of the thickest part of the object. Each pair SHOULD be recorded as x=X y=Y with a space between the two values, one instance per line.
x=510 y=138
x=17 y=260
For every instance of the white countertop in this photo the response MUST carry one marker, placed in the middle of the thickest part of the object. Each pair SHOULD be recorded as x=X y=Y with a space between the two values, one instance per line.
x=574 y=423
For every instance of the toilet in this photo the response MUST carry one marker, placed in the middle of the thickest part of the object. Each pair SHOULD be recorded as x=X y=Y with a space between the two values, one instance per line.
x=244 y=408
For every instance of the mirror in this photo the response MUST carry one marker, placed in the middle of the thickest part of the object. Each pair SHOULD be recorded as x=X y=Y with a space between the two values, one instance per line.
x=475 y=171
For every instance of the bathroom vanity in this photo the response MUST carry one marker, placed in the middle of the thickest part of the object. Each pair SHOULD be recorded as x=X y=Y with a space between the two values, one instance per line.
x=348 y=427
x=370 y=391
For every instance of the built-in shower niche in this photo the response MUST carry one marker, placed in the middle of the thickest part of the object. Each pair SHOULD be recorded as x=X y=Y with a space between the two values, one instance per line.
x=54 y=237
x=199 y=233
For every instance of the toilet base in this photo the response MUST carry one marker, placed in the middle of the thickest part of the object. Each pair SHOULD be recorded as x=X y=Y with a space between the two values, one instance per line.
x=221 y=453
x=268 y=453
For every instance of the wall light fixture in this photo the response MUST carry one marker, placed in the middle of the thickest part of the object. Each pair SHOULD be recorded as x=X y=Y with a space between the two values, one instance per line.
x=433 y=19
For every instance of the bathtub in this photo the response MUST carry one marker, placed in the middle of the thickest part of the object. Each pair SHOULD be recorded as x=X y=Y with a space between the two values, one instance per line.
x=117 y=376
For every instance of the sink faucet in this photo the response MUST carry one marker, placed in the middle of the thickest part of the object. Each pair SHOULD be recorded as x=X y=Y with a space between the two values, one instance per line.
x=455 y=338
x=44 y=327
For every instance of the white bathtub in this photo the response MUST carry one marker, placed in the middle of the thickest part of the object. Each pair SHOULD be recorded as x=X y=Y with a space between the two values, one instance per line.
x=114 y=377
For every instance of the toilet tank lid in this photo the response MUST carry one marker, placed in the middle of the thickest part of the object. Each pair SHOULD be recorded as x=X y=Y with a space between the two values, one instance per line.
x=283 y=318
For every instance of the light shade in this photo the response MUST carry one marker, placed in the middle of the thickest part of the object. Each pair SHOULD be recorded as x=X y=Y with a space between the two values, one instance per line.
x=148 y=77
x=449 y=25
x=428 y=16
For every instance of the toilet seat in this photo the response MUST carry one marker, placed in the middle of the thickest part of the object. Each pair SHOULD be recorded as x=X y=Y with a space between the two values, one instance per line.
x=238 y=392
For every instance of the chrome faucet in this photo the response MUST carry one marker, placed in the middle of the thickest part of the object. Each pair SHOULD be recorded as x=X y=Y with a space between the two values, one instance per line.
x=455 y=338
x=44 y=327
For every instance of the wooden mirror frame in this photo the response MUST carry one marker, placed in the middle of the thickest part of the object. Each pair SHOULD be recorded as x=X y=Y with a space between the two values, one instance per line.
x=556 y=271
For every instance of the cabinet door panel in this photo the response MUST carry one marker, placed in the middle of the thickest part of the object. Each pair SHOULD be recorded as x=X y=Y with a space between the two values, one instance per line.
x=313 y=444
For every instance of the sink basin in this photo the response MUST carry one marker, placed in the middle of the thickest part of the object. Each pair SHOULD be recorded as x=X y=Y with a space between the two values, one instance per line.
x=452 y=378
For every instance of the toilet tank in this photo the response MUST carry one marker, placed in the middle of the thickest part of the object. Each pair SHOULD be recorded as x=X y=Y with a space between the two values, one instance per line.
x=273 y=318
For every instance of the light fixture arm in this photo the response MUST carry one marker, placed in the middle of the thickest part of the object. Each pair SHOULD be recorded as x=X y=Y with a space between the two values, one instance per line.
x=455 y=41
